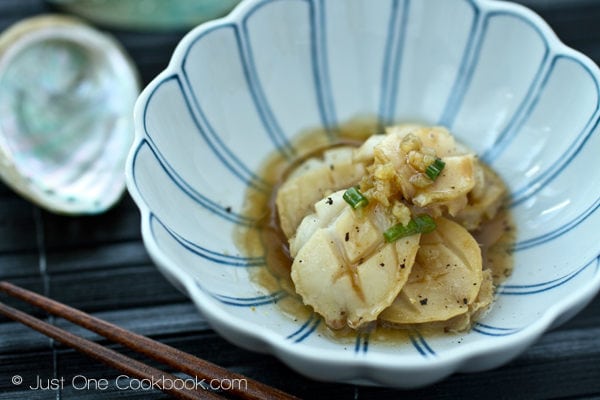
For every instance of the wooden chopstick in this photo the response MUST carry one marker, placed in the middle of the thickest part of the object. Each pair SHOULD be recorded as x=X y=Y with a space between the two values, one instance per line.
x=171 y=356
x=110 y=357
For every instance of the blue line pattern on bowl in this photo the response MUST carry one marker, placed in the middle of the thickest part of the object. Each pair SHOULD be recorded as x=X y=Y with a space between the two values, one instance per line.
x=249 y=302
x=459 y=89
x=361 y=344
x=394 y=45
x=421 y=345
x=320 y=67
x=533 y=288
x=489 y=330
x=528 y=102
x=193 y=193
x=388 y=85
x=207 y=254
x=556 y=233
x=520 y=195
x=305 y=330
x=228 y=159
x=227 y=156
x=263 y=108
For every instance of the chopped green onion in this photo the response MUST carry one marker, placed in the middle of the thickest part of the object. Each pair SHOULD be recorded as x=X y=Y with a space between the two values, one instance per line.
x=355 y=198
x=420 y=224
x=435 y=168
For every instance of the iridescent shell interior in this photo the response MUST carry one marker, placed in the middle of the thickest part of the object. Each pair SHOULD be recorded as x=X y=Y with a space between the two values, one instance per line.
x=66 y=101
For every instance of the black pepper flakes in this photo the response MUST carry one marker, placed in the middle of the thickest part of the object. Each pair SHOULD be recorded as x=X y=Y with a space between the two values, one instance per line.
x=329 y=201
x=347 y=237
x=382 y=265
x=464 y=300
x=423 y=302
x=228 y=209
x=402 y=266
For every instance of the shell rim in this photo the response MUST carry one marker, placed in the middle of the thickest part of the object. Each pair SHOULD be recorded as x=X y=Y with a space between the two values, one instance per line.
x=33 y=30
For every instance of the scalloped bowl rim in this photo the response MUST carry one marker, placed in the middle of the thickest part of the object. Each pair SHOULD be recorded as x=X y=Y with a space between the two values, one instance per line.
x=448 y=362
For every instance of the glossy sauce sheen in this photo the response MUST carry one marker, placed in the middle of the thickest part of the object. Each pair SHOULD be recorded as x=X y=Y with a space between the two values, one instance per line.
x=267 y=238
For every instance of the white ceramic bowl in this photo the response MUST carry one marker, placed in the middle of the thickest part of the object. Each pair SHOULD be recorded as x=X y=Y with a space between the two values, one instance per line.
x=239 y=88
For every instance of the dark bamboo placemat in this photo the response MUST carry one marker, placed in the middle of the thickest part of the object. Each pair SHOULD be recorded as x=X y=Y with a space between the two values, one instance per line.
x=99 y=264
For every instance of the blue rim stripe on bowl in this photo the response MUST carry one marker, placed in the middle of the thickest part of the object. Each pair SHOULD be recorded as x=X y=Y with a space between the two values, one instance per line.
x=555 y=233
x=304 y=326
x=320 y=66
x=545 y=286
x=261 y=103
x=198 y=197
x=205 y=128
x=248 y=302
x=394 y=46
x=465 y=71
x=210 y=255
x=456 y=99
x=209 y=136
x=421 y=345
x=416 y=345
x=489 y=330
x=311 y=324
x=535 y=185
x=531 y=97
x=424 y=343
x=320 y=69
x=361 y=344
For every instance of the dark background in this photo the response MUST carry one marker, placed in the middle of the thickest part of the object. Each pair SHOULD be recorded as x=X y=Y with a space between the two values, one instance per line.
x=99 y=264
